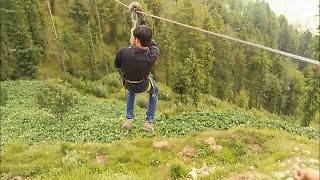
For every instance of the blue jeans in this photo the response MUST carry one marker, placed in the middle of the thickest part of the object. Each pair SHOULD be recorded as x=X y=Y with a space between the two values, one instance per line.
x=153 y=97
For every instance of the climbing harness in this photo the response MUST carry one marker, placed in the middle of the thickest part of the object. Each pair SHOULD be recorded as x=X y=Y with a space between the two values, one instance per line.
x=311 y=61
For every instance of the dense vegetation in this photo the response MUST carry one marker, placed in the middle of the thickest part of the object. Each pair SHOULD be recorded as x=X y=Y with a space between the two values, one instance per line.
x=97 y=120
x=191 y=63
x=85 y=143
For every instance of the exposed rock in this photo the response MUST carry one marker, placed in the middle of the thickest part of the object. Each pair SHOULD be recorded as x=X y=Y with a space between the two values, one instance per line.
x=314 y=161
x=211 y=141
x=296 y=149
x=193 y=173
x=188 y=152
x=251 y=167
x=279 y=175
x=217 y=148
x=102 y=159
x=161 y=144
x=305 y=151
x=17 y=178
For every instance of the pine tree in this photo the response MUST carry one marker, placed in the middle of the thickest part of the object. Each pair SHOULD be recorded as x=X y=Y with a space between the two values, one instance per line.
x=311 y=98
x=27 y=56
x=196 y=75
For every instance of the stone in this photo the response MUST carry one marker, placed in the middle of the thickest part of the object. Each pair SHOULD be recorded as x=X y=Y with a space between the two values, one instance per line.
x=279 y=175
x=188 y=152
x=161 y=144
x=102 y=159
x=211 y=141
x=313 y=161
x=193 y=173
x=305 y=151
x=217 y=148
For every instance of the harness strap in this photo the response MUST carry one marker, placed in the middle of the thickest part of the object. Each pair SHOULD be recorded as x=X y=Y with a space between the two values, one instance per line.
x=134 y=82
x=150 y=86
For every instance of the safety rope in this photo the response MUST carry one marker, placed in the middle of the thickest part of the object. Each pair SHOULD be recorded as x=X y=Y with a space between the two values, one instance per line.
x=311 y=61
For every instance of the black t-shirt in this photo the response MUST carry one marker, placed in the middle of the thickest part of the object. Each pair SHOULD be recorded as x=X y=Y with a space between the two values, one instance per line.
x=135 y=64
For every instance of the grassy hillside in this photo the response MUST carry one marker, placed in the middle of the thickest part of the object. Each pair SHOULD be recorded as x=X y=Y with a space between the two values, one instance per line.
x=246 y=153
x=99 y=120
x=88 y=142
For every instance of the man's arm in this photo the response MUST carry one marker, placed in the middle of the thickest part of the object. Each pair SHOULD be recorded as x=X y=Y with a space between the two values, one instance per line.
x=153 y=51
x=117 y=61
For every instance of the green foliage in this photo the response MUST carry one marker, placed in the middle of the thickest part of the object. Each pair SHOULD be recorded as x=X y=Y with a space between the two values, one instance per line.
x=204 y=150
x=142 y=100
x=3 y=96
x=242 y=100
x=99 y=91
x=167 y=107
x=57 y=99
x=177 y=171
x=195 y=72
x=26 y=56
x=219 y=68
x=165 y=92
x=181 y=81
x=98 y=120
x=311 y=98
x=112 y=82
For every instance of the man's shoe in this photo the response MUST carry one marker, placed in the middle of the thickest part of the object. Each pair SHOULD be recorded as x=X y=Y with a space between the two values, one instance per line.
x=148 y=126
x=127 y=125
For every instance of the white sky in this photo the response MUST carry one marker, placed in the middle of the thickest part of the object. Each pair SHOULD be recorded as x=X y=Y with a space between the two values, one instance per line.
x=301 y=13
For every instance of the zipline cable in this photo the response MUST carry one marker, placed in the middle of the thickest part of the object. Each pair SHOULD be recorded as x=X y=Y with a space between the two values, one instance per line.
x=311 y=61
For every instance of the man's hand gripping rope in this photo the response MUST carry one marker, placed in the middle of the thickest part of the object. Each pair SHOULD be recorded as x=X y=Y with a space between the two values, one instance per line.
x=137 y=18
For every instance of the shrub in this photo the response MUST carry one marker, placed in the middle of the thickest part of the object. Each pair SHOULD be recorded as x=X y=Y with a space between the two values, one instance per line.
x=3 y=96
x=57 y=99
x=242 y=100
x=167 y=107
x=142 y=100
x=78 y=83
x=99 y=91
x=112 y=81
x=165 y=92
x=177 y=171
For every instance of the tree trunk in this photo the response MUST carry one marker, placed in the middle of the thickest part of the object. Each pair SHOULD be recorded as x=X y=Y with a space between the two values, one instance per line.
x=101 y=38
x=63 y=68
x=92 y=48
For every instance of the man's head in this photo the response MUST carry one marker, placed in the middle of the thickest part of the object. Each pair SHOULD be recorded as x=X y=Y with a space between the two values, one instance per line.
x=142 y=36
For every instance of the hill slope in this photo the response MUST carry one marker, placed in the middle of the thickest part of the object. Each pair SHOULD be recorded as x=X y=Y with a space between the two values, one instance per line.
x=38 y=146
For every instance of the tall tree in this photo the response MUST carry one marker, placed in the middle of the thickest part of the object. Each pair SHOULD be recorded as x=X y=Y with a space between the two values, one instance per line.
x=311 y=98
x=27 y=57
x=196 y=74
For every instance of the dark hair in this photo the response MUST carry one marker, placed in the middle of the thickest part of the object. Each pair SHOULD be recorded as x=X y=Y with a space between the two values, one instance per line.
x=144 y=34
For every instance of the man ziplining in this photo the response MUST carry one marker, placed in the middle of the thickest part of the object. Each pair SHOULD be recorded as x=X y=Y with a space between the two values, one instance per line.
x=135 y=63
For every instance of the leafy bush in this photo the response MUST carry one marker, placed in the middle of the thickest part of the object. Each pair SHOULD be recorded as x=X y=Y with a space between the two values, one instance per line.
x=142 y=100
x=96 y=120
x=177 y=171
x=167 y=107
x=203 y=150
x=242 y=100
x=165 y=92
x=3 y=96
x=112 y=81
x=79 y=84
x=99 y=91
x=57 y=98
